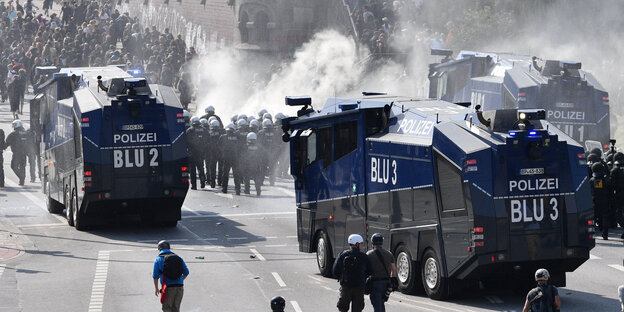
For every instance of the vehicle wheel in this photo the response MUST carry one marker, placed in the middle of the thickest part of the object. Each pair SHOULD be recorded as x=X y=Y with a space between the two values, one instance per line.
x=70 y=208
x=80 y=221
x=406 y=271
x=435 y=285
x=52 y=205
x=324 y=255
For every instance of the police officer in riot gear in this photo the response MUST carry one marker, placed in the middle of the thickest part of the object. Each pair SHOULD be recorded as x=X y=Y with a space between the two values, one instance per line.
x=2 y=148
x=234 y=118
x=213 y=155
x=601 y=194
x=254 y=126
x=18 y=141
x=253 y=158
x=210 y=112
x=617 y=182
x=196 y=138
x=281 y=151
x=261 y=113
x=269 y=142
x=267 y=116
x=187 y=118
x=230 y=144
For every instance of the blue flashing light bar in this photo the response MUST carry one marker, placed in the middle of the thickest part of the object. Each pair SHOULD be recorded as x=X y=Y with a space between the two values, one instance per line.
x=532 y=133
x=512 y=133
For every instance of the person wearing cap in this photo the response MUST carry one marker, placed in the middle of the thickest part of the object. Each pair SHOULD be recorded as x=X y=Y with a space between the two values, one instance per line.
x=544 y=297
x=278 y=304
x=351 y=268
x=384 y=269
x=175 y=288
x=601 y=193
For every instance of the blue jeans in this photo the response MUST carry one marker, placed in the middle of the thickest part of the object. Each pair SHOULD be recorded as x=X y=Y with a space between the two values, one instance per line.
x=377 y=294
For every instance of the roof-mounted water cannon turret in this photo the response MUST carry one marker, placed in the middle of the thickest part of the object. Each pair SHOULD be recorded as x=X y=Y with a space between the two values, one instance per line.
x=304 y=101
x=443 y=52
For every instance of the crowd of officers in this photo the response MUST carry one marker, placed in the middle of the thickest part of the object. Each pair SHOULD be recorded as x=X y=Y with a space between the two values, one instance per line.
x=251 y=147
x=607 y=185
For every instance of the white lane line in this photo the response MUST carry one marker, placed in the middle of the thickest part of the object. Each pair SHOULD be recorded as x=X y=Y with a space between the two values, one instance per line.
x=220 y=194
x=258 y=255
x=41 y=225
x=271 y=246
x=285 y=191
x=209 y=239
x=191 y=210
x=279 y=280
x=237 y=238
x=35 y=200
x=99 y=282
x=243 y=215
x=593 y=257
x=291 y=236
x=1 y=269
x=617 y=267
x=296 y=306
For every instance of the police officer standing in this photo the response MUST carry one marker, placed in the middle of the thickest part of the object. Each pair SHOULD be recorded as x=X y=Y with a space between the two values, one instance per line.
x=617 y=182
x=544 y=297
x=196 y=136
x=352 y=268
x=601 y=194
x=384 y=269
x=269 y=142
x=210 y=112
x=213 y=154
x=253 y=158
x=2 y=148
x=230 y=152
x=18 y=141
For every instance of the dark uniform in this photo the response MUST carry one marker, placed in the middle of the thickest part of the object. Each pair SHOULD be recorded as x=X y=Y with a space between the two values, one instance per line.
x=269 y=142
x=208 y=115
x=353 y=294
x=230 y=145
x=213 y=156
x=18 y=141
x=196 y=136
x=242 y=140
x=601 y=194
x=617 y=182
x=2 y=148
x=253 y=157
x=32 y=153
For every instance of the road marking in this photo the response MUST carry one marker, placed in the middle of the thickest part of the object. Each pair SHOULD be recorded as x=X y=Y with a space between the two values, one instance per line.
x=99 y=282
x=270 y=246
x=617 y=267
x=191 y=210
x=220 y=194
x=291 y=236
x=258 y=255
x=270 y=237
x=209 y=239
x=296 y=306
x=1 y=270
x=237 y=238
x=279 y=280
x=35 y=200
x=41 y=225
x=316 y=278
x=285 y=191
x=243 y=215
x=593 y=257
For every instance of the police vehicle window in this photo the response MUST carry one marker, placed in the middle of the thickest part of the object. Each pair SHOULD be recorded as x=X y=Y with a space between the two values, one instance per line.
x=345 y=138
x=374 y=121
x=442 y=85
x=450 y=181
x=311 y=156
x=324 y=143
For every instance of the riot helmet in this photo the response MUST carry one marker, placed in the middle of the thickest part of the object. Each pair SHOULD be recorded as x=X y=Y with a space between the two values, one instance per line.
x=355 y=239
x=234 y=118
x=596 y=151
x=250 y=118
x=195 y=120
x=186 y=114
x=204 y=122
x=255 y=124
x=241 y=123
x=211 y=118
x=17 y=124
x=610 y=160
x=267 y=123
x=262 y=112
x=163 y=244
x=230 y=127
x=278 y=304
x=377 y=239
x=251 y=138
x=618 y=159
x=209 y=110
x=542 y=275
x=267 y=116
x=242 y=116
x=598 y=170
x=214 y=124
x=592 y=158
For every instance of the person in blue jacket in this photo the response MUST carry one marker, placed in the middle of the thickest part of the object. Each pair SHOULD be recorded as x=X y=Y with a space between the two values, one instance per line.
x=175 y=287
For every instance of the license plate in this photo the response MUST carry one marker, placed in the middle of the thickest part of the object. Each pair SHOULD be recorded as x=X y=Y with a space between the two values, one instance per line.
x=132 y=127
x=531 y=171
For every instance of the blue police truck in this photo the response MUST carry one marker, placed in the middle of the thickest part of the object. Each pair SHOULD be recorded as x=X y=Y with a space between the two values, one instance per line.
x=573 y=99
x=460 y=195
x=111 y=144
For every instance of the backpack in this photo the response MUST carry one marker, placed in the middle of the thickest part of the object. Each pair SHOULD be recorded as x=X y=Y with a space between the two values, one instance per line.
x=542 y=299
x=172 y=266
x=351 y=270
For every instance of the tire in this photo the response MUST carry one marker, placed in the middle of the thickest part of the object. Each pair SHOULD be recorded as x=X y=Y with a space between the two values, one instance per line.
x=80 y=222
x=324 y=255
x=435 y=285
x=407 y=271
x=52 y=205
x=70 y=205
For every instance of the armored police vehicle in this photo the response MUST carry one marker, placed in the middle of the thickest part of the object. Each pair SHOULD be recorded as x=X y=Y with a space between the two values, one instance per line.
x=573 y=99
x=111 y=144
x=461 y=196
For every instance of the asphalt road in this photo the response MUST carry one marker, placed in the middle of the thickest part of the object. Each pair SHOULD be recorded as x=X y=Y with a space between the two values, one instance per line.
x=250 y=254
